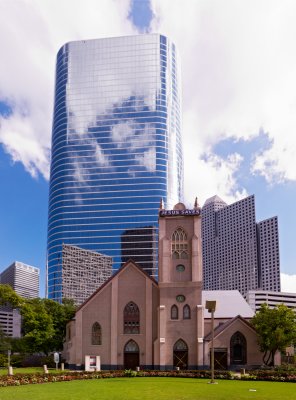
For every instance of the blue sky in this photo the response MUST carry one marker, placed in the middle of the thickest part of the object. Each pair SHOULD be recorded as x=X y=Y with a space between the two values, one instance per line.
x=239 y=102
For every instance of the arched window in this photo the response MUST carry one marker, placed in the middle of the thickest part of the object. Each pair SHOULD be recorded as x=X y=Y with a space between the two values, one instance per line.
x=179 y=244
x=186 y=312
x=174 y=312
x=238 y=349
x=131 y=347
x=131 y=318
x=96 y=334
x=180 y=345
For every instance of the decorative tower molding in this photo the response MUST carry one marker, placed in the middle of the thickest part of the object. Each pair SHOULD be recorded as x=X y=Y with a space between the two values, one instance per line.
x=180 y=285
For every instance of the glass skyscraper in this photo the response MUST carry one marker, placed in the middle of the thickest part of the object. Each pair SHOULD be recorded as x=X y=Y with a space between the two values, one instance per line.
x=116 y=149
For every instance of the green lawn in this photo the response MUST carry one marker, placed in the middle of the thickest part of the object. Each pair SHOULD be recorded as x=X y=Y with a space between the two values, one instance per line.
x=150 y=389
x=32 y=370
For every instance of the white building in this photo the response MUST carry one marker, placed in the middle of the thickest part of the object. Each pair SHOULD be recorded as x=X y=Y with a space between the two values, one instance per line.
x=83 y=272
x=24 y=280
x=257 y=297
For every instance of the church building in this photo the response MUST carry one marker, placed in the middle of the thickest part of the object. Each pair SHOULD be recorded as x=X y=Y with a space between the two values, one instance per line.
x=134 y=321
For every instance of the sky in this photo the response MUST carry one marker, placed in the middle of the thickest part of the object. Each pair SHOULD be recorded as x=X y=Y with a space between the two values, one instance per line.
x=238 y=64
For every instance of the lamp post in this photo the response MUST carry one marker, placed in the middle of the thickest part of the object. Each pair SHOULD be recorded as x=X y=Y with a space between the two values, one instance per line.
x=10 y=370
x=211 y=307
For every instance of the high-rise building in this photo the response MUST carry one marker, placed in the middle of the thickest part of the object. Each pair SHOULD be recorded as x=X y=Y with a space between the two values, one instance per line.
x=138 y=244
x=239 y=253
x=258 y=297
x=24 y=280
x=269 y=255
x=116 y=146
x=83 y=272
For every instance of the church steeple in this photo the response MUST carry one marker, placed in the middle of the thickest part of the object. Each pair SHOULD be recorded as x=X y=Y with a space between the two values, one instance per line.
x=196 y=205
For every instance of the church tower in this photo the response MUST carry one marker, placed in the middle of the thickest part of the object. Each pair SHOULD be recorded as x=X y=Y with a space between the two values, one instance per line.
x=180 y=313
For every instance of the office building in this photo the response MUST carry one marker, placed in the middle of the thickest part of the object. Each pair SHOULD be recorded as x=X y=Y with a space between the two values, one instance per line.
x=138 y=245
x=24 y=280
x=10 y=322
x=239 y=253
x=269 y=256
x=116 y=146
x=257 y=297
x=83 y=272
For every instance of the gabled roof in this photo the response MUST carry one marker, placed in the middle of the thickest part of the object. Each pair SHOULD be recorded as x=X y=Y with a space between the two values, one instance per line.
x=223 y=327
x=118 y=272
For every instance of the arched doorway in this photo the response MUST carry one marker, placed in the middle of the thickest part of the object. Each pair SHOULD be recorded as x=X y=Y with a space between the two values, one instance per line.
x=238 y=349
x=131 y=355
x=180 y=358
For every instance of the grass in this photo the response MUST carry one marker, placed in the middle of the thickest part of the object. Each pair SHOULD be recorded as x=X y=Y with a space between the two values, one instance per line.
x=32 y=370
x=150 y=389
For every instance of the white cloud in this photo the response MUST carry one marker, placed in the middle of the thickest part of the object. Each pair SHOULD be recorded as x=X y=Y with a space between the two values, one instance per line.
x=215 y=175
x=19 y=137
x=288 y=283
x=101 y=158
x=147 y=159
x=140 y=139
x=31 y=32
x=122 y=133
x=238 y=68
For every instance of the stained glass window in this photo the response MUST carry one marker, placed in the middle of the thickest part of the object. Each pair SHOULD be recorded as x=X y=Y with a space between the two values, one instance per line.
x=131 y=318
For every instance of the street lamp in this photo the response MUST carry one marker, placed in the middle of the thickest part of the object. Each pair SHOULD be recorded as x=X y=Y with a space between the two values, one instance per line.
x=211 y=307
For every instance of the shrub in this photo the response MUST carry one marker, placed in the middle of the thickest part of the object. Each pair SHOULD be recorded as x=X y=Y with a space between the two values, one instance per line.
x=130 y=373
x=16 y=360
x=3 y=360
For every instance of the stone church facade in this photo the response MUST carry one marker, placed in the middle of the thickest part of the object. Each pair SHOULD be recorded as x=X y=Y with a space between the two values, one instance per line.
x=133 y=320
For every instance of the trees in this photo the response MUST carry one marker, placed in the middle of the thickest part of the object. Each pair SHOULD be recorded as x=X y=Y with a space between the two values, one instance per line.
x=8 y=296
x=37 y=325
x=4 y=342
x=276 y=329
x=43 y=321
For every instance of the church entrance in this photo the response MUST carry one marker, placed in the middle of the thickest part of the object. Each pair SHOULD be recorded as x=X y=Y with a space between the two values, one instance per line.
x=180 y=356
x=131 y=355
x=220 y=358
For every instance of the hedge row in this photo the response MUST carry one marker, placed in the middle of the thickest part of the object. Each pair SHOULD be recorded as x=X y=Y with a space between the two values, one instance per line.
x=25 y=379
x=272 y=375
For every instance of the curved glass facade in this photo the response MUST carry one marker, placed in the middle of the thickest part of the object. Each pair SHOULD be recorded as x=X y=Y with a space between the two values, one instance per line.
x=116 y=149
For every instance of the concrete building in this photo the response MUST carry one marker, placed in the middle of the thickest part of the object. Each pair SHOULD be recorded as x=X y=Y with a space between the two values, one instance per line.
x=238 y=252
x=24 y=280
x=10 y=322
x=83 y=272
x=132 y=320
x=116 y=147
x=257 y=297
x=269 y=256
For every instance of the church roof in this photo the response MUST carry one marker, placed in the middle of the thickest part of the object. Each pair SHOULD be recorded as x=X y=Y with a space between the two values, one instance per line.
x=220 y=328
x=214 y=199
x=229 y=304
x=126 y=265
